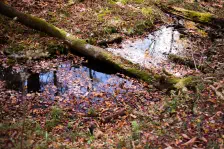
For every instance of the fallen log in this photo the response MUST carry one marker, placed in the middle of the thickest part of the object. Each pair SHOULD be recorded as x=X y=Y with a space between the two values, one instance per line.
x=80 y=46
x=200 y=17
x=173 y=83
x=76 y=44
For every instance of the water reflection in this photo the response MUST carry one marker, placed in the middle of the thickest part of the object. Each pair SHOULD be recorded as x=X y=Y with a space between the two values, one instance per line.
x=33 y=83
x=153 y=49
x=67 y=81
x=12 y=79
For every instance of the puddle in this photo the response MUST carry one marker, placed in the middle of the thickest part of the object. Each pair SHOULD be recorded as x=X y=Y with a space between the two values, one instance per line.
x=78 y=88
x=69 y=82
x=66 y=82
x=152 y=50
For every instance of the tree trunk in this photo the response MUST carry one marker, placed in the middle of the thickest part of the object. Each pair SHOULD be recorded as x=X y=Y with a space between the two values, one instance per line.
x=204 y=18
x=77 y=45
x=80 y=46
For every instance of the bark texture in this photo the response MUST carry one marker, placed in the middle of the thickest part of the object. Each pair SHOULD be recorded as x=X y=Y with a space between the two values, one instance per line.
x=77 y=45
x=204 y=18
x=80 y=46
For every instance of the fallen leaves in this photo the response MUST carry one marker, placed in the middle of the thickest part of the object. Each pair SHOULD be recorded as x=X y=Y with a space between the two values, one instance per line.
x=108 y=95
x=98 y=133
x=190 y=142
x=185 y=136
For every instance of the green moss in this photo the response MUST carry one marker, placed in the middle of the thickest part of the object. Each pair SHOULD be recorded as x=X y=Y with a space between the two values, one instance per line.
x=145 y=76
x=71 y=2
x=179 y=83
x=147 y=11
x=115 y=21
x=202 y=33
x=142 y=26
x=172 y=2
x=78 y=43
x=110 y=30
x=138 y=1
x=202 y=17
x=92 y=41
x=123 y=1
x=129 y=31
x=128 y=67
x=183 y=82
x=14 y=49
x=102 y=13
x=135 y=130
x=172 y=80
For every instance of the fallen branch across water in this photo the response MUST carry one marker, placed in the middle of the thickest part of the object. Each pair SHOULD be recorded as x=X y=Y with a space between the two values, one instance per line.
x=80 y=46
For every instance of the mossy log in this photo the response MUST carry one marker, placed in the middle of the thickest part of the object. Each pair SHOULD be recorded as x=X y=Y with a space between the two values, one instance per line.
x=200 y=17
x=76 y=44
x=175 y=83
x=80 y=46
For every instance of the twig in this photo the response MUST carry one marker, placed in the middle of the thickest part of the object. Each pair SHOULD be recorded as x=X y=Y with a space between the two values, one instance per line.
x=220 y=45
x=25 y=105
x=24 y=118
x=192 y=55
x=218 y=94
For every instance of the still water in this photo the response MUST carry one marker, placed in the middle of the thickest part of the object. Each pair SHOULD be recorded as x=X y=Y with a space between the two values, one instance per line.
x=67 y=81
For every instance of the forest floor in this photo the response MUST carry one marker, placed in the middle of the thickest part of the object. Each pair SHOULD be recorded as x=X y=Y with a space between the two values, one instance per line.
x=127 y=114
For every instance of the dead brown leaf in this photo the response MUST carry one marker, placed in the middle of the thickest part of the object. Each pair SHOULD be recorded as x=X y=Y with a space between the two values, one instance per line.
x=185 y=136
x=190 y=142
